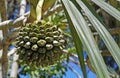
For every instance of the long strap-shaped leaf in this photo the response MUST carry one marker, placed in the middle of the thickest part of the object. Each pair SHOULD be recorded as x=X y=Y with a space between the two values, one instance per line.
x=33 y=4
x=88 y=41
x=39 y=9
x=108 y=8
x=78 y=45
x=105 y=35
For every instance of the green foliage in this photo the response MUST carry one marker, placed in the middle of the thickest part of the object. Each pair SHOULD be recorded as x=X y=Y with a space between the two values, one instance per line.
x=57 y=70
x=76 y=39
x=59 y=19
x=72 y=50
x=77 y=11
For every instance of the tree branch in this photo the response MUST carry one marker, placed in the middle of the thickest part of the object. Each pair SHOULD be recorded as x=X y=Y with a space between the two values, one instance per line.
x=14 y=71
x=14 y=23
x=9 y=38
x=4 y=58
x=53 y=10
x=3 y=9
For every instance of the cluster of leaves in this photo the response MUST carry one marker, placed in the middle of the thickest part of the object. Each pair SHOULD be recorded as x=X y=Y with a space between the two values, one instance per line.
x=82 y=33
x=57 y=70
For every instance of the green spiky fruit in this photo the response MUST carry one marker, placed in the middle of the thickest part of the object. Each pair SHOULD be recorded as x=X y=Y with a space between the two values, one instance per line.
x=40 y=43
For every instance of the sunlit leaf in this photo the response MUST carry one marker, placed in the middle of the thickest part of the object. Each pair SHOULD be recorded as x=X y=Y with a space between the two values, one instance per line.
x=39 y=9
x=108 y=8
x=78 y=43
x=87 y=39
x=47 y=4
x=104 y=34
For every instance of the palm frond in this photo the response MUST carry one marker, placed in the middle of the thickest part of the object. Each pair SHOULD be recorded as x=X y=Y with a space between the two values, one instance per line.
x=108 y=8
x=105 y=35
x=87 y=39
